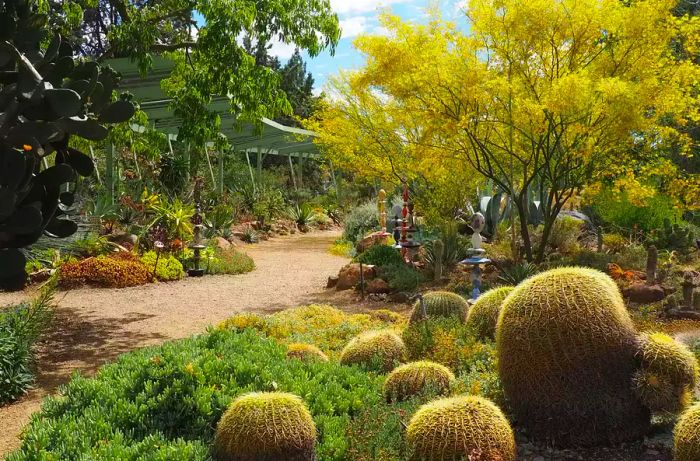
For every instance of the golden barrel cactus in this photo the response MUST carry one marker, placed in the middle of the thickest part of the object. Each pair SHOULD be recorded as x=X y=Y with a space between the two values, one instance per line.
x=566 y=350
x=668 y=374
x=686 y=436
x=266 y=426
x=305 y=352
x=440 y=304
x=414 y=378
x=375 y=350
x=483 y=315
x=460 y=428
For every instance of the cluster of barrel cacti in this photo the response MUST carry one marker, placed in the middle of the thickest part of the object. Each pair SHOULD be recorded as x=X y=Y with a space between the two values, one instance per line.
x=46 y=96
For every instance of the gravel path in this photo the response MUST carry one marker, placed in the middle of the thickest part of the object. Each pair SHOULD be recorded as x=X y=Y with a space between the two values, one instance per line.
x=94 y=326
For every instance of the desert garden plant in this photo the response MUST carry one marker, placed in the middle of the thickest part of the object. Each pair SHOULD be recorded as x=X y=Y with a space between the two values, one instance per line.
x=483 y=314
x=379 y=351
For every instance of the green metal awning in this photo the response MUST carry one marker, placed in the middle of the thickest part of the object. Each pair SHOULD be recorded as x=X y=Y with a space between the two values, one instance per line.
x=271 y=138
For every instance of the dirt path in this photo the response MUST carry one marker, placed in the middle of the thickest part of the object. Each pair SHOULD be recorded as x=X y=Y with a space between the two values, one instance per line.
x=94 y=326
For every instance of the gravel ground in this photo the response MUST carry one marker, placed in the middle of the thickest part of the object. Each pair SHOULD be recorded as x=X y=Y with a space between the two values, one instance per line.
x=94 y=326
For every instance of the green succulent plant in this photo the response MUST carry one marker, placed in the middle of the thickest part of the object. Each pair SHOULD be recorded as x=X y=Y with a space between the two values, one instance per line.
x=376 y=350
x=483 y=315
x=46 y=96
x=414 y=378
x=686 y=436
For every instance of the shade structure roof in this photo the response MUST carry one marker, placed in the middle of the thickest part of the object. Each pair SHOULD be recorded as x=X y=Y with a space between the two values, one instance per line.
x=270 y=137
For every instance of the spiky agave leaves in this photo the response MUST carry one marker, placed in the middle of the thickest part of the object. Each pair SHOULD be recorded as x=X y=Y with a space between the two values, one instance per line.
x=460 y=428
x=375 y=350
x=686 y=435
x=266 y=426
x=305 y=352
x=439 y=304
x=483 y=315
x=566 y=357
x=668 y=374
x=415 y=378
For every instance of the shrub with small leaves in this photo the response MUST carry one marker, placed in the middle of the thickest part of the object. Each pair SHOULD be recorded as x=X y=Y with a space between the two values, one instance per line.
x=380 y=255
x=118 y=270
x=169 y=268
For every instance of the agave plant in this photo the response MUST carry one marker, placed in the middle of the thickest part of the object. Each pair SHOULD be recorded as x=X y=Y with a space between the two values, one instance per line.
x=46 y=96
x=515 y=274
x=301 y=215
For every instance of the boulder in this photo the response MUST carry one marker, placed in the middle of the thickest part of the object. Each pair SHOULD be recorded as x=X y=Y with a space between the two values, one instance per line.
x=375 y=238
x=222 y=243
x=377 y=286
x=644 y=294
x=332 y=282
x=349 y=276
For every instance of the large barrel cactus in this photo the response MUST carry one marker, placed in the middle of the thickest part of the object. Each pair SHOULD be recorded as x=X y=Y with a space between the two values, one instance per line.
x=483 y=315
x=686 y=436
x=566 y=358
x=305 y=352
x=466 y=427
x=46 y=96
x=440 y=304
x=266 y=427
x=415 y=378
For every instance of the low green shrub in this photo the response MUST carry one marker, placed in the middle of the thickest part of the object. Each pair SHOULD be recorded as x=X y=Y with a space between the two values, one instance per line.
x=401 y=277
x=164 y=402
x=20 y=327
x=380 y=255
x=229 y=261
x=169 y=268
x=631 y=257
x=619 y=211
x=359 y=221
x=565 y=233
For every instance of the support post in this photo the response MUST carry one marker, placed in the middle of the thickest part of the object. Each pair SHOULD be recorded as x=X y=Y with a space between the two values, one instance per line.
x=250 y=168
x=335 y=182
x=301 y=169
x=94 y=161
x=221 y=173
x=187 y=163
x=211 y=169
x=109 y=174
x=260 y=162
x=291 y=171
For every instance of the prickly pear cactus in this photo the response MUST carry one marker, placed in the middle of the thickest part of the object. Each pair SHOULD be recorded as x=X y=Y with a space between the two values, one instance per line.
x=46 y=96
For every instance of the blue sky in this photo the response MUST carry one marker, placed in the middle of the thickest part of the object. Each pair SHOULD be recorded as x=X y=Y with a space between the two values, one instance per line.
x=361 y=17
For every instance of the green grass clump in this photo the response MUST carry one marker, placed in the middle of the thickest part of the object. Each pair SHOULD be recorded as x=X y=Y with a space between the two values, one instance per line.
x=266 y=426
x=461 y=428
x=483 y=315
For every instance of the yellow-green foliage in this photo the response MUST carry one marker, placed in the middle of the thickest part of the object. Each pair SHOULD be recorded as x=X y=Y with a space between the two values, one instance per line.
x=385 y=315
x=415 y=378
x=305 y=352
x=243 y=321
x=461 y=428
x=566 y=359
x=686 y=437
x=376 y=350
x=342 y=248
x=668 y=375
x=483 y=315
x=266 y=427
x=440 y=304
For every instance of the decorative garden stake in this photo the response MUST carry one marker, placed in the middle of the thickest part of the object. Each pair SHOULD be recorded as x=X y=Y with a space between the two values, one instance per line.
x=159 y=247
x=197 y=244
x=476 y=255
x=381 y=207
x=396 y=223
x=409 y=247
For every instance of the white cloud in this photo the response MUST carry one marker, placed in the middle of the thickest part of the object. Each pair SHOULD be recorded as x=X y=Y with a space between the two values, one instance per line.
x=361 y=6
x=354 y=26
x=282 y=50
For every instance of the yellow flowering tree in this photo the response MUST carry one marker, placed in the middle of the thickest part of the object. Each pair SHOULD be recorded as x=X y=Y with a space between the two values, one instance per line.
x=541 y=97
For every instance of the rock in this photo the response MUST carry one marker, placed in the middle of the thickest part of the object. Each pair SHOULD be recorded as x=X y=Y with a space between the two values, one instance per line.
x=400 y=297
x=644 y=294
x=126 y=240
x=349 y=276
x=372 y=239
x=222 y=243
x=332 y=282
x=377 y=286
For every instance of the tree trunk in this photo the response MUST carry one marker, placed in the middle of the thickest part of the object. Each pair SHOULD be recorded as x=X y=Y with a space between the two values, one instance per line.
x=524 y=231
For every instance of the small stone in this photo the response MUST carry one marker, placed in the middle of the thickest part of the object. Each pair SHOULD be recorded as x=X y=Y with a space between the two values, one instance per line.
x=222 y=243
x=332 y=282
x=349 y=276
